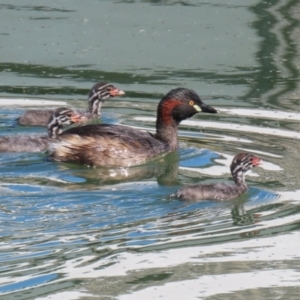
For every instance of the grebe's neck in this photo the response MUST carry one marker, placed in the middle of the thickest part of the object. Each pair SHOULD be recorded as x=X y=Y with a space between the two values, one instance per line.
x=166 y=124
x=239 y=177
x=95 y=105
x=54 y=128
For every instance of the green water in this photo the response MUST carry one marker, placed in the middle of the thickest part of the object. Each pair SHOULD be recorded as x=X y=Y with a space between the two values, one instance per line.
x=72 y=232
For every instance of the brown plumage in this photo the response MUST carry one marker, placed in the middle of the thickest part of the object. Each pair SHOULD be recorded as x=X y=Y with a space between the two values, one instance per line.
x=98 y=94
x=241 y=163
x=121 y=146
x=35 y=143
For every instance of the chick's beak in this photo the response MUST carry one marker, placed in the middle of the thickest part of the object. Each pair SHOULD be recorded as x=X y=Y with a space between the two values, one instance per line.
x=77 y=118
x=116 y=92
x=256 y=161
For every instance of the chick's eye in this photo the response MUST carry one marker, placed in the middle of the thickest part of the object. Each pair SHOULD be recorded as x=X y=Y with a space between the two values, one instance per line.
x=191 y=102
x=69 y=114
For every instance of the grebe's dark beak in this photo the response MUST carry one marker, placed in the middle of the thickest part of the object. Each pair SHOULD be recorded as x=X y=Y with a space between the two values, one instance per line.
x=206 y=108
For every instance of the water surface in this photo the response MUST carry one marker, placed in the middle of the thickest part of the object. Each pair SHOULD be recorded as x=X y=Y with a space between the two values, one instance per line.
x=73 y=232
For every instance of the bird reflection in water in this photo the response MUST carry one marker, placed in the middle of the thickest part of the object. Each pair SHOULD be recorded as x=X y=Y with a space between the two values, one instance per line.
x=243 y=218
x=165 y=170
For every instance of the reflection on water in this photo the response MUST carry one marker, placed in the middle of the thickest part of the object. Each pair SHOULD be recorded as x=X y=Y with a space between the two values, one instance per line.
x=241 y=217
x=75 y=232
x=164 y=169
x=276 y=78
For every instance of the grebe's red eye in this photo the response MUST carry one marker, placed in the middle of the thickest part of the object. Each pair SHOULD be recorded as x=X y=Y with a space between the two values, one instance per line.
x=191 y=102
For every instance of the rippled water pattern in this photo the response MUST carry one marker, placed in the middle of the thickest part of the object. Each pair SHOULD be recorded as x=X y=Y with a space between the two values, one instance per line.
x=74 y=232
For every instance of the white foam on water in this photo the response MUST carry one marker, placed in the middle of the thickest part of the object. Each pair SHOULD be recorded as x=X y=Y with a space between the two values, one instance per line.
x=268 y=249
x=69 y=295
x=260 y=152
x=210 y=285
x=29 y=102
x=224 y=169
x=234 y=127
x=254 y=113
x=290 y=195
x=187 y=133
